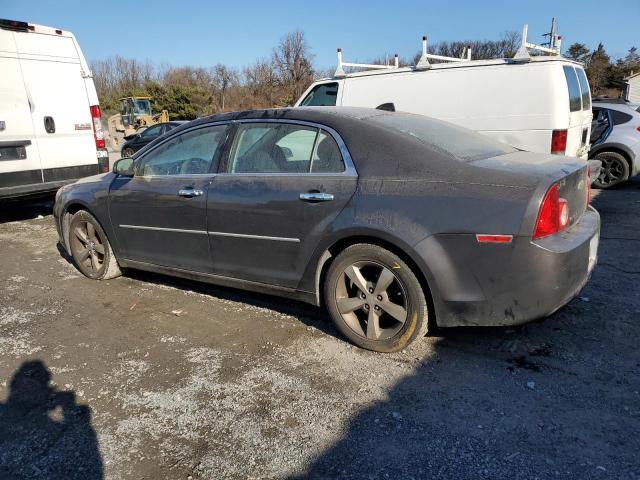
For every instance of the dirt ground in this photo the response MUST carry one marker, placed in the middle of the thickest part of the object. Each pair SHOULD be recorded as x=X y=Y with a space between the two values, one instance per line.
x=149 y=377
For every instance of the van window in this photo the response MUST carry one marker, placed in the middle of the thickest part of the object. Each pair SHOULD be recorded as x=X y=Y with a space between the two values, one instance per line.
x=458 y=142
x=323 y=95
x=584 y=86
x=574 y=88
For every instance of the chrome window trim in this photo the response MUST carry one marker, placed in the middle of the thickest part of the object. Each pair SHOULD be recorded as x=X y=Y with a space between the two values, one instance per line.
x=349 y=171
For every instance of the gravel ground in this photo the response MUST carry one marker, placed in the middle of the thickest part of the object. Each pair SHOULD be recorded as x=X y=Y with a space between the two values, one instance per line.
x=148 y=377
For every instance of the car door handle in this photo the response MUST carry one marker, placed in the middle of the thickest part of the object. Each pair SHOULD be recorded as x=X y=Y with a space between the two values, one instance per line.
x=190 y=192
x=316 y=197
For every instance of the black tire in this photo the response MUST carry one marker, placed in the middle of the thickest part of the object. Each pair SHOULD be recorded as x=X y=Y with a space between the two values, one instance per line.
x=90 y=248
x=127 y=152
x=615 y=170
x=402 y=293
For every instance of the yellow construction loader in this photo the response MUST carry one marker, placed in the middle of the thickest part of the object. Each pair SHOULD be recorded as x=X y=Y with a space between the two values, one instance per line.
x=135 y=113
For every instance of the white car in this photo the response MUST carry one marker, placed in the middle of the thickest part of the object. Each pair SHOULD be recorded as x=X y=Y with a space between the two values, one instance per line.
x=615 y=141
x=50 y=130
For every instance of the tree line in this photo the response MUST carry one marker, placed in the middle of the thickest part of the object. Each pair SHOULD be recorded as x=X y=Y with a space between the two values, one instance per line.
x=188 y=92
x=602 y=71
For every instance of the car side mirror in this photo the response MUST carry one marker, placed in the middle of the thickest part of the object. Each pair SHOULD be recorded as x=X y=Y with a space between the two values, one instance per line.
x=124 y=167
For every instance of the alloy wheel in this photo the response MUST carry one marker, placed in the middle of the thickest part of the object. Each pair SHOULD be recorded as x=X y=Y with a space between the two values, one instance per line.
x=612 y=172
x=88 y=248
x=372 y=300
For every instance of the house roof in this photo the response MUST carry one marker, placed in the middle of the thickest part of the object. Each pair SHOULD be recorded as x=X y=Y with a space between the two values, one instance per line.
x=633 y=75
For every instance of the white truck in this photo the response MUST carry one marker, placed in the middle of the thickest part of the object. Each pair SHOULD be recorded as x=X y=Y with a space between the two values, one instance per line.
x=50 y=130
x=535 y=103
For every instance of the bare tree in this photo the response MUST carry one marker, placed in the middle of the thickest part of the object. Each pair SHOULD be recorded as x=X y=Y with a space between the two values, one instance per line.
x=223 y=78
x=292 y=61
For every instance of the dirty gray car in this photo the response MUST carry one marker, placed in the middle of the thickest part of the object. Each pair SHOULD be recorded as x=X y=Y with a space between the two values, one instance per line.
x=395 y=222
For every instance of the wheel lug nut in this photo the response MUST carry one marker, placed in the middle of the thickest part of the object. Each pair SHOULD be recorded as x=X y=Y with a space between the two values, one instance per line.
x=380 y=297
x=371 y=290
x=366 y=307
x=376 y=307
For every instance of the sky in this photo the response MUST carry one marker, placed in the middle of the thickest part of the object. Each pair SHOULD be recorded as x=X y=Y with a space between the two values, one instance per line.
x=203 y=33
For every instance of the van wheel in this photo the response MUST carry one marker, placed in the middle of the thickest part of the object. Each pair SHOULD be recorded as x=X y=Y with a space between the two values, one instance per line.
x=615 y=170
x=90 y=248
x=375 y=299
x=127 y=152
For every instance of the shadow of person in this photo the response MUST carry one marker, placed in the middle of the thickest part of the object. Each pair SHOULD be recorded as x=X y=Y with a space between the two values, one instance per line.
x=44 y=433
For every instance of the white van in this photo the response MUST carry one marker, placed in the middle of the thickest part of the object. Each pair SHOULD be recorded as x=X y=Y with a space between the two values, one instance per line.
x=50 y=130
x=541 y=105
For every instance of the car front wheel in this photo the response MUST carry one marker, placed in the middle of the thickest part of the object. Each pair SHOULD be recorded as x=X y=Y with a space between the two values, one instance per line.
x=90 y=248
x=127 y=152
x=375 y=299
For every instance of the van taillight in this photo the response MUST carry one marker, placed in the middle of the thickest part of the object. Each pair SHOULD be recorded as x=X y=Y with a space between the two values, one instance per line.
x=98 y=133
x=553 y=215
x=559 y=141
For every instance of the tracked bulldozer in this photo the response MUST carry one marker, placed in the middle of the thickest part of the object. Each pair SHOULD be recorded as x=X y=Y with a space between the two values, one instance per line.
x=135 y=114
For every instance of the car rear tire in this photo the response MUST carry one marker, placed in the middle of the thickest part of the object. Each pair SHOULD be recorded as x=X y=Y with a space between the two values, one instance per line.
x=90 y=248
x=615 y=170
x=375 y=299
x=127 y=152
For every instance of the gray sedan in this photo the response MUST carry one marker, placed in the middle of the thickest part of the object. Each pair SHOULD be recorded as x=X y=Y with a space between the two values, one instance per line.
x=394 y=222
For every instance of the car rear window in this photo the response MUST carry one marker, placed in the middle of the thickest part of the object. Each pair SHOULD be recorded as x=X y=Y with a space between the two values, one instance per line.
x=584 y=86
x=323 y=95
x=458 y=142
x=575 y=103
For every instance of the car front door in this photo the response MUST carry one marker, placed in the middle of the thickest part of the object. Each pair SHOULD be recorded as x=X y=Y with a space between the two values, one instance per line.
x=278 y=191
x=159 y=214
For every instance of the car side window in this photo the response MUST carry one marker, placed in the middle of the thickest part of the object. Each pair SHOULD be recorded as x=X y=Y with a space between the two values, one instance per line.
x=272 y=148
x=152 y=132
x=186 y=154
x=326 y=156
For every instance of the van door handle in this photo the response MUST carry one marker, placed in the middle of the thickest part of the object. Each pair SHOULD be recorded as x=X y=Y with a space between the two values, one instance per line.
x=49 y=125
x=190 y=192
x=314 y=197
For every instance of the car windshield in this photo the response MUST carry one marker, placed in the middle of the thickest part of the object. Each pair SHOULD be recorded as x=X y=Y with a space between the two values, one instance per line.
x=458 y=142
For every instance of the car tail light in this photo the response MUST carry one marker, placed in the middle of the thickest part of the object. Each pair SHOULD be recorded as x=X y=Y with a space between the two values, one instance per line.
x=98 y=133
x=559 y=141
x=553 y=215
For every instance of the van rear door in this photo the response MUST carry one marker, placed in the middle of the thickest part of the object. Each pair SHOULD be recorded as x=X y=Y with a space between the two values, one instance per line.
x=577 y=143
x=19 y=157
x=53 y=76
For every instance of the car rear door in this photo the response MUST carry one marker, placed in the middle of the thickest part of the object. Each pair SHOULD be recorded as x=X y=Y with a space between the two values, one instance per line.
x=19 y=156
x=159 y=214
x=277 y=193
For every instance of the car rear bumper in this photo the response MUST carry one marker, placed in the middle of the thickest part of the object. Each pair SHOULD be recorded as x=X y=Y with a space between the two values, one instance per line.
x=510 y=284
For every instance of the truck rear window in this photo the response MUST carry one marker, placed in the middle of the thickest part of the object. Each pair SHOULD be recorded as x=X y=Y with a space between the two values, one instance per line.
x=584 y=86
x=323 y=95
x=575 y=103
x=458 y=142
